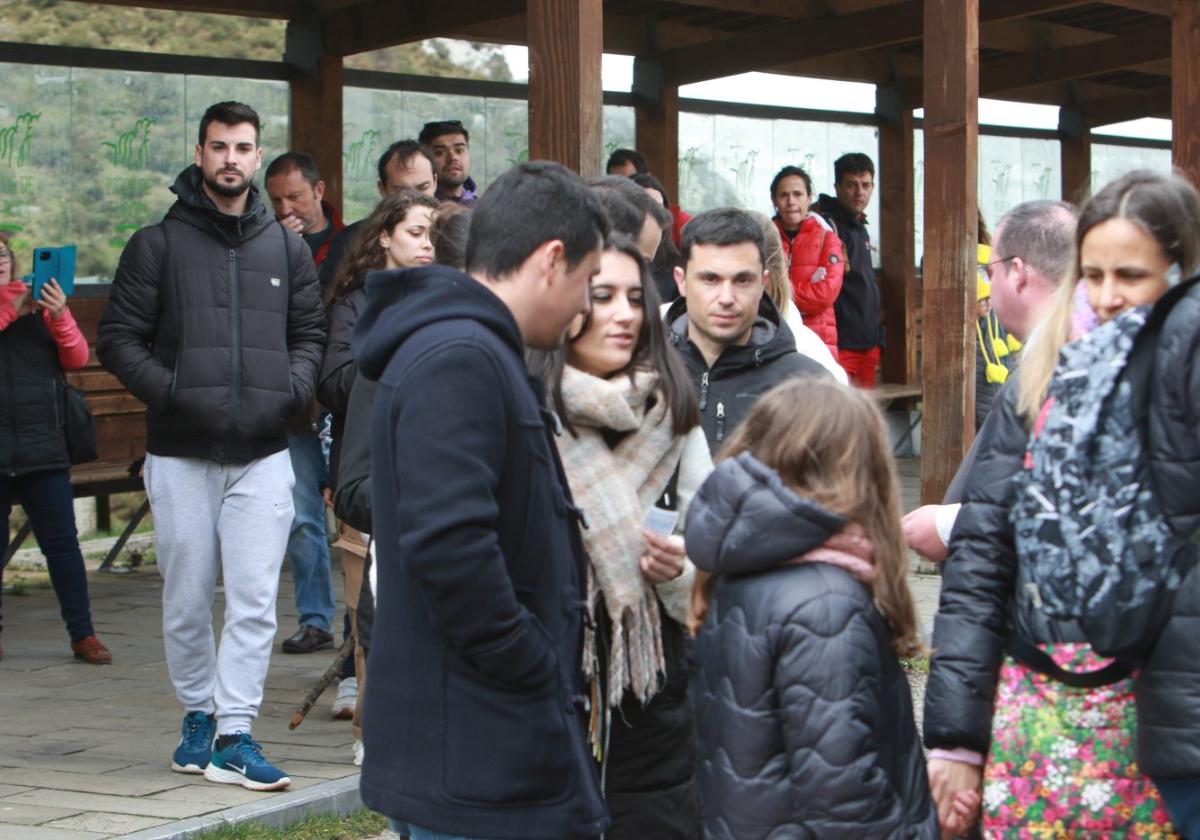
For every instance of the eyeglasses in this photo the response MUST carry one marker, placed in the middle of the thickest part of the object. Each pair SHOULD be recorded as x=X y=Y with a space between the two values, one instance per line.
x=5 y=253
x=988 y=266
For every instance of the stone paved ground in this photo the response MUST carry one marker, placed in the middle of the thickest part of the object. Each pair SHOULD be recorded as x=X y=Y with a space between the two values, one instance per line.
x=85 y=750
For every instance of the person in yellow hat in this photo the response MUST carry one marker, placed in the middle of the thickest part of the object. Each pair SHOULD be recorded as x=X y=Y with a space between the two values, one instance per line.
x=994 y=347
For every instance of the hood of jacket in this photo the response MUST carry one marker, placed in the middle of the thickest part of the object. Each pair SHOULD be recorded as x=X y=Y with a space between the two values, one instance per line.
x=402 y=301
x=831 y=207
x=744 y=519
x=769 y=339
x=195 y=208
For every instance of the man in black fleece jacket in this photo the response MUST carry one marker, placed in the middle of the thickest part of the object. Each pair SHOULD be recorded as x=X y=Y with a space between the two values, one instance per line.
x=731 y=336
x=474 y=714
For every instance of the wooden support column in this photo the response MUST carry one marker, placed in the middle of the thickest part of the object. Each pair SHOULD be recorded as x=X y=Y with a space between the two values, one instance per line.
x=316 y=105
x=951 y=65
x=1075 y=139
x=657 y=123
x=565 y=99
x=1185 y=88
x=896 y=229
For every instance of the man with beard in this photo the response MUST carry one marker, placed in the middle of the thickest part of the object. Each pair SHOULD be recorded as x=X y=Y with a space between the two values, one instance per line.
x=451 y=147
x=215 y=323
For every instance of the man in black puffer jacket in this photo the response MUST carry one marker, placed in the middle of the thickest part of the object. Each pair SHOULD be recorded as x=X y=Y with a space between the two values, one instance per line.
x=215 y=322
x=731 y=336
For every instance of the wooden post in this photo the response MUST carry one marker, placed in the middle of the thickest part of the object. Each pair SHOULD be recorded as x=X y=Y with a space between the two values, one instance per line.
x=896 y=226
x=656 y=115
x=1185 y=88
x=316 y=105
x=1075 y=139
x=565 y=98
x=951 y=93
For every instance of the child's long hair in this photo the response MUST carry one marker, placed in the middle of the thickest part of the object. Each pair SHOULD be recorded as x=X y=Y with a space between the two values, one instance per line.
x=828 y=444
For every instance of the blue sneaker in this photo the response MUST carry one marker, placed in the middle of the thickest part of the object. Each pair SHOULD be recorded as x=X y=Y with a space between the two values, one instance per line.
x=195 y=747
x=242 y=763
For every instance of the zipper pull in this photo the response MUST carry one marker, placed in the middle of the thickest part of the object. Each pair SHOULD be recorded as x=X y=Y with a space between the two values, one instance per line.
x=703 y=390
x=720 y=420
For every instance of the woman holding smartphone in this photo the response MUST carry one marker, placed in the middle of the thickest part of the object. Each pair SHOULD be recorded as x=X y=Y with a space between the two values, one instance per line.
x=38 y=341
x=634 y=454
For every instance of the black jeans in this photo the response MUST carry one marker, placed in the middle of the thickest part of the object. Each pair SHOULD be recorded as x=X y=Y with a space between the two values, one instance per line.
x=48 y=502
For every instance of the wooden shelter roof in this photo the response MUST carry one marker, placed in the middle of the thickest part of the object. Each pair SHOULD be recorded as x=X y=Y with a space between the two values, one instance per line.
x=1110 y=61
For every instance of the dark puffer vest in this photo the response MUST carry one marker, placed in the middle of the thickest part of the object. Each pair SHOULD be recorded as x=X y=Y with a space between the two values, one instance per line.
x=31 y=399
x=803 y=715
x=215 y=322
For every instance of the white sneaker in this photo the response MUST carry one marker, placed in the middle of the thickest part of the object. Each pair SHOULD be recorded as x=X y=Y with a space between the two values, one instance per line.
x=358 y=753
x=347 y=697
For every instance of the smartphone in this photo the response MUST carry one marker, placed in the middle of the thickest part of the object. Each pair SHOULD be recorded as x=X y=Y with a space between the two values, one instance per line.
x=56 y=264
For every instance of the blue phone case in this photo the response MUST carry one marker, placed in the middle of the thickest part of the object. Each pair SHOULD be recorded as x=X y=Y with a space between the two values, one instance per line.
x=54 y=264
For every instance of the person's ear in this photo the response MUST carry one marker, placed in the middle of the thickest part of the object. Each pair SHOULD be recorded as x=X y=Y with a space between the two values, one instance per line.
x=199 y=153
x=382 y=187
x=258 y=158
x=319 y=190
x=1021 y=272
x=680 y=284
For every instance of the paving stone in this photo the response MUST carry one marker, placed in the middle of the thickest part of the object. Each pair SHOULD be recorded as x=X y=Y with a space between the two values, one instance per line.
x=145 y=807
x=320 y=771
x=106 y=823
x=9 y=790
x=100 y=783
x=41 y=832
x=16 y=814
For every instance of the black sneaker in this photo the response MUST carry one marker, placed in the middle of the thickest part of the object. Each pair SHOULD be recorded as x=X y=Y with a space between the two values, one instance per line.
x=308 y=639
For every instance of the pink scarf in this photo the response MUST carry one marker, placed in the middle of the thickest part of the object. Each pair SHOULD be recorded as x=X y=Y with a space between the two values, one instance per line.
x=850 y=549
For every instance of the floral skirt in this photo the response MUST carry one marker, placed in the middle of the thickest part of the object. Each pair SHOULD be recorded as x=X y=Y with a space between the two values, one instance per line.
x=1063 y=760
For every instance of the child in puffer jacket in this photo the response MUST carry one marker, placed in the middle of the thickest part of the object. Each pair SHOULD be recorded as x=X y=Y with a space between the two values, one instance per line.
x=803 y=713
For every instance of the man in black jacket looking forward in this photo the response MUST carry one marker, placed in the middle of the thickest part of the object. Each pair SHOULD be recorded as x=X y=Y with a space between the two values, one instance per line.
x=731 y=336
x=215 y=322
x=475 y=725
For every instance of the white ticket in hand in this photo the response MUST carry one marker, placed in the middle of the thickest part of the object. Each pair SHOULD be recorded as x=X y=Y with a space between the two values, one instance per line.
x=661 y=522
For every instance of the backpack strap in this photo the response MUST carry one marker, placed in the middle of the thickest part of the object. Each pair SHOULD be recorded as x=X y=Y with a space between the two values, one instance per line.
x=1032 y=656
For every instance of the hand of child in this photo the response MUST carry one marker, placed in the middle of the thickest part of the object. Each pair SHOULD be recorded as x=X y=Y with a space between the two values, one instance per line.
x=920 y=532
x=664 y=557
x=955 y=786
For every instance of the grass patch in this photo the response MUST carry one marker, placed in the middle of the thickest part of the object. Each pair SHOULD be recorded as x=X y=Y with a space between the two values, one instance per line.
x=323 y=827
x=917 y=665
x=19 y=583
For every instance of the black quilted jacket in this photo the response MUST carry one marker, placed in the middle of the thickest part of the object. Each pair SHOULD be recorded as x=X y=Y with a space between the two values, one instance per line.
x=803 y=715
x=981 y=575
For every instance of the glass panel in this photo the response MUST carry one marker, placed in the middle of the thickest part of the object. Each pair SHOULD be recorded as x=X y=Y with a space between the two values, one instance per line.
x=370 y=122
x=88 y=156
x=1110 y=162
x=618 y=129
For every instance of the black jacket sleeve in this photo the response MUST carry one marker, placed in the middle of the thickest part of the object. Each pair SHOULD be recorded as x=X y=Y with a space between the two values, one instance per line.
x=337 y=366
x=130 y=322
x=447 y=451
x=828 y=690
x=1174 y=417
x=306 y=320
x=977 y=586
x=352 y=499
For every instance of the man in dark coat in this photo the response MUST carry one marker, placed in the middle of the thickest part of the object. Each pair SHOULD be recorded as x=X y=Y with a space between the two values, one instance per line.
x=475 y=714
x=857 y=308
x=731 y=336
x=215 y=322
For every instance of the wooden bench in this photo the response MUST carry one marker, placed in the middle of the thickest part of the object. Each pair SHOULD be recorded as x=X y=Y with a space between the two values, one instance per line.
x=120 y=430
x=893 y=392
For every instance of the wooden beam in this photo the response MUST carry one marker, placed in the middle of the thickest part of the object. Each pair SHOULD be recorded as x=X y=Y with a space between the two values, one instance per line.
x=1018 y=71
x=951 y=172
x=565 y=96
x=1075 y=155
x=656 y=124
x=1152 y=7
x=1185 y=88
x=1126 y=106
x=891 y=25
x=376 y=24
x=278 y=9
x=315 y=89
x=896 y=230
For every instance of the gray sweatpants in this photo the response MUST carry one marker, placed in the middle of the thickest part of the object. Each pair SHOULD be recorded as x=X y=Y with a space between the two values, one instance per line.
x=235 y=517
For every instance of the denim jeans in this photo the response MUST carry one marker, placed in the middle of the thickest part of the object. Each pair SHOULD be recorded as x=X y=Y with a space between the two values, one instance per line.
x=308 y=543
x=417 y=833
x=48 y=502
x=1182 y=798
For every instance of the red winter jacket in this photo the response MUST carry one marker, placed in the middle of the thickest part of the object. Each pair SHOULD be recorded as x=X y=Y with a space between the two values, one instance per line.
x=815 y=265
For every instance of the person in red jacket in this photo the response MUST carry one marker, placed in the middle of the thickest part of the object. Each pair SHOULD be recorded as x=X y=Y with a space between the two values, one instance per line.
x=813 y=251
